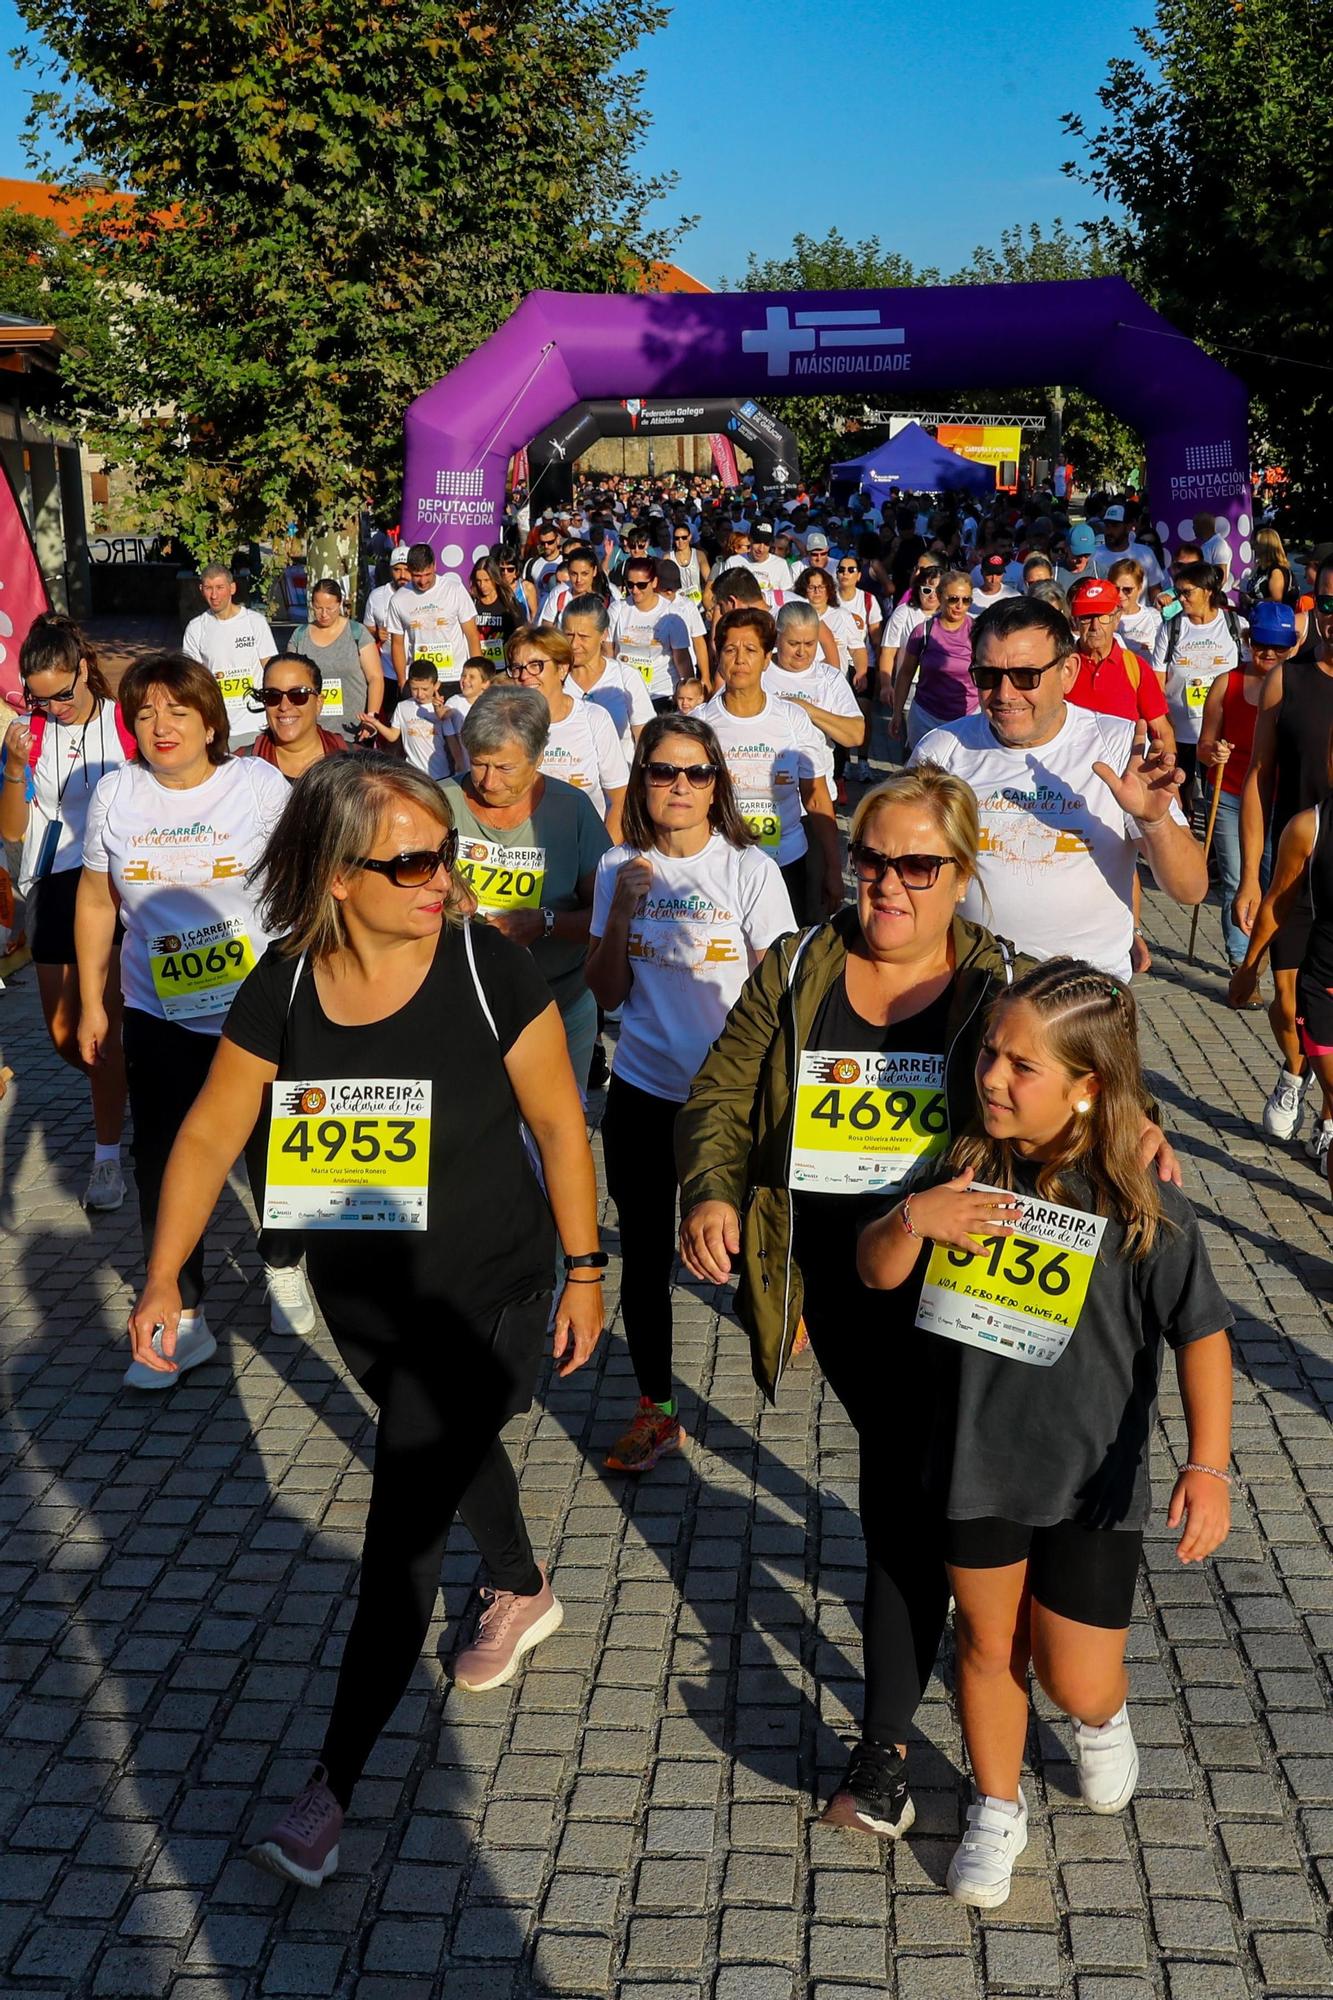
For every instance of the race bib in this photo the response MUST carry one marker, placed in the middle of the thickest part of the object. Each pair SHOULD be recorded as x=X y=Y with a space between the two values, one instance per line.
x=197 y=972
x=236 y=689
x=1196 y=694
x=428 y=656
x=348 y=1154
x=1017 y=1296
x=695 y=596
x=333 y=700
x=493 y=650
x=865 y=1122
x=764 y=821
x=502 y=878
x=643 y=658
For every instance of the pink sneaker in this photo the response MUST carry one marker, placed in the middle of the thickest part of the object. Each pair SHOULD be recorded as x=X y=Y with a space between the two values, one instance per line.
x=509 y=1627
x=303 y=1845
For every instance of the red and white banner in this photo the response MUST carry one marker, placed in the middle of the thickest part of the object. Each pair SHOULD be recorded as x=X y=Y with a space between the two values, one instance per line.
x=518 y=470
x=724 y=458
x=22 y=591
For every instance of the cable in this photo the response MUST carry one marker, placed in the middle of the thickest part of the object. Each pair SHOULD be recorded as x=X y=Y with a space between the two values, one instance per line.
x=1259 y=353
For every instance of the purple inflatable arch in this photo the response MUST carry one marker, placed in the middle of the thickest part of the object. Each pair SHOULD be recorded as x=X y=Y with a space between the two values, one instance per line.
x=561 y=348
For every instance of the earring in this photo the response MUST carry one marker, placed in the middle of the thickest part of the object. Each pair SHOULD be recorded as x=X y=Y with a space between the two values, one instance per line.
x=1083 y=1107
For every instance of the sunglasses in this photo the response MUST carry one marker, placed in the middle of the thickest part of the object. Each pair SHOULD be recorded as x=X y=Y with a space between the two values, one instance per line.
x=418 y=866
x=37 y=702
x=957 y=600
x=680 y=538
x=640 y=582
x=914 y=871
x=518 y=669
x=699 y=775
x=986 y=679
x=848 y=569
x=510 y=569
x=274 y=697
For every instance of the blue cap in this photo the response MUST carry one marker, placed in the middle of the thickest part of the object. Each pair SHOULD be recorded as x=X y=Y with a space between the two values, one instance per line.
x=1082 y=541
x=1272 y=624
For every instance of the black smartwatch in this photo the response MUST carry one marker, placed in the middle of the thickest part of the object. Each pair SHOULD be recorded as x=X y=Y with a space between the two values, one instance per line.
x=591 y=1260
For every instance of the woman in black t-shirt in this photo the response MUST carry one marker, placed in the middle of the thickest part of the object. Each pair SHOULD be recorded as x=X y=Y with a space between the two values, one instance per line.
x=401 y=1046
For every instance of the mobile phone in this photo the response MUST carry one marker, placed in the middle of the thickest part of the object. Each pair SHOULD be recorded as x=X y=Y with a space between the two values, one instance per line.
x=1169 y=607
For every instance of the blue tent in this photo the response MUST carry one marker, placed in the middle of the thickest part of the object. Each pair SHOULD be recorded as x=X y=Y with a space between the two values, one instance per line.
x=914 y=463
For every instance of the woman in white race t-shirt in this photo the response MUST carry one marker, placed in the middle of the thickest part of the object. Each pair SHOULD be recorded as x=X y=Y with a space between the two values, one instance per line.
x=170 y=840
x=682 y=913
x=53 y=764
x=583 y=746
x=1192 y=650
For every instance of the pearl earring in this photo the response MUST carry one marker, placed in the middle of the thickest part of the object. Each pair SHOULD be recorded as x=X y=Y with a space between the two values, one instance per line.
x=1083 y=1107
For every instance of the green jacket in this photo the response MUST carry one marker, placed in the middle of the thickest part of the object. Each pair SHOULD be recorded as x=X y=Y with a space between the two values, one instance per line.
x=734 y=1134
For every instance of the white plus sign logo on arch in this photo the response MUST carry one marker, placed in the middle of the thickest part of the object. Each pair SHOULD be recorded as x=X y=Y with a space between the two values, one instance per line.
x=780 y=337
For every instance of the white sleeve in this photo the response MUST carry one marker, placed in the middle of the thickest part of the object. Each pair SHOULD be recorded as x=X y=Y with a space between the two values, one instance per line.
x=841 y=700
x=270 y=792
x=191 y=642
x=612 y=770
x=268 y=645
x=811 y=747
x=466 y=610
x=673 y=633
x=392 y=619
x=641 y=710
x=935 y=747
x=766 y=910
x=95 y=854
x=604 y=887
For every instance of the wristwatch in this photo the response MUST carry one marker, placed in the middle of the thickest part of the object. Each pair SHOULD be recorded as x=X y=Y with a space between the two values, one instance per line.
x=590 y=1260
x=548 y=921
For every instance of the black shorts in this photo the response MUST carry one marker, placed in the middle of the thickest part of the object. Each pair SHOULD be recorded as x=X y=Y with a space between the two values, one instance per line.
x=1086 y=1574
x=51 y=931
x=1288 y=947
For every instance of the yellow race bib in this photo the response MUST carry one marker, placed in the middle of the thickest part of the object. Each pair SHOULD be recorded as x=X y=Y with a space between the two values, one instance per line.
x=764 y=821
x=236 y=690
x=502 y=878
x=197 y=972
x=1196 y=694
x=333 y=701
x=442 y=662
x=866 y=1121
x=349 y=1154
x=1016 y=1296
x=642 y=658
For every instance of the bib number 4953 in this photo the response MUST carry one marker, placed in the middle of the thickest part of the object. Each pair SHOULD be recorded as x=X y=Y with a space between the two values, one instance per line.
x=365 y=1140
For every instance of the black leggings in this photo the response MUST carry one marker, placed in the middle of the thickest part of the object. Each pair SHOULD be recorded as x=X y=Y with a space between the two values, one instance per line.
x=165 y=1069
x=637 y=1133
x=879 y=1374
x=443 y=1391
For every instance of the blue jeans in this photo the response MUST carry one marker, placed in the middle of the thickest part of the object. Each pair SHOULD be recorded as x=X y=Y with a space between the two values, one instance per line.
x=1226 y=846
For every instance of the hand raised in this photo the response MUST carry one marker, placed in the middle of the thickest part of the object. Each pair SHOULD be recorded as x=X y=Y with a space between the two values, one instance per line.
x=1150 y=783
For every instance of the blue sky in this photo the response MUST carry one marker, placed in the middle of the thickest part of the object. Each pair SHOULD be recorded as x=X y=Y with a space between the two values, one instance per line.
x=932 y=128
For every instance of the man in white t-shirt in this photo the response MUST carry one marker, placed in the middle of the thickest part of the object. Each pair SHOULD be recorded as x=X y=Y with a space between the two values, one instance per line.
x=1066 y=797
x=377 y=620
x=1213 y=547
x=649 y=634
x=1115 y=542
x=432 y=619
x=670 y=584
x=235 y=645
x=771 y=570
x=990 y=584
x=621 y=691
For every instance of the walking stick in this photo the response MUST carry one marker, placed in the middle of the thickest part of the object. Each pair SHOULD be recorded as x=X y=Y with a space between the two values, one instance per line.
x=1220 y=756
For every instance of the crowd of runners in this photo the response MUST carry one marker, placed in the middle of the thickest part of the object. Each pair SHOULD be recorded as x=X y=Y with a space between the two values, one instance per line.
x=828 y=824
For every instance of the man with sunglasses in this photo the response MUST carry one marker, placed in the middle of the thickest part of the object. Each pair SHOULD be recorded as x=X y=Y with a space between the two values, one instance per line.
x=649 y=634
x=1067 y=798
x=540 y=568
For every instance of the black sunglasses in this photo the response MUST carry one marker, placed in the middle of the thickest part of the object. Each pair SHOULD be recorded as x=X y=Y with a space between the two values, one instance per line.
x=1022 y=678
x=914 y=871
x=415 y=868
x=274 y=697
x=699 y=775
x=40 y=701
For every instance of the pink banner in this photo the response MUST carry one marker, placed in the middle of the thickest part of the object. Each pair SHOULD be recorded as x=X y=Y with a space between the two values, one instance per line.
x=22 y=591
x=724 y=458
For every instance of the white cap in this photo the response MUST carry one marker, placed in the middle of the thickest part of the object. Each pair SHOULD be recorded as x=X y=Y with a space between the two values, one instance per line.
x=1114 y=514
x=398 y=557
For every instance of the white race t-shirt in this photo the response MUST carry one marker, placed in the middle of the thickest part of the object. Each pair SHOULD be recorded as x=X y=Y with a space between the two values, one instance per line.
x=377 y=619
x=769 y=756
x=1200 y=654
x=902 y=621
x=982 y=602
x=646 y=641
x=1138 y=630
x=178 y=862
x=1217 y=550
x=422 y=733
x=1057 y=853
x=864 y=612
x=694 y=940
x=585 y=751
x=234 y=651
x=431 y=623
x=1013 y=578
x=1153 y=574
x=71 y=763
x=839 y=621
x=818 y=686
x=622 y=693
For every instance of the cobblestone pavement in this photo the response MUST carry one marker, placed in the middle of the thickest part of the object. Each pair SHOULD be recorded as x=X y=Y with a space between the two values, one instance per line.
x=634 y=1815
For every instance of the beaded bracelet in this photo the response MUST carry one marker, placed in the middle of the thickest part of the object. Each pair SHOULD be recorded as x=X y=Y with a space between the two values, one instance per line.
x=1211 y=1470
x=906 y=1213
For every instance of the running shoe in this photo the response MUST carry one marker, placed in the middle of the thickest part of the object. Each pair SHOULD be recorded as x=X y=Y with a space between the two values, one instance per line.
x=1107 y=1761
x=303 y=1845
x=509 y=1627
x=194 y=1343
x=1319 y=1141
x=106 y=1186
x=290 y=1308
x=649 y=1436
x=873 y=1796
x=982 y=1867
x=1282 y=1112
x=599 y=1069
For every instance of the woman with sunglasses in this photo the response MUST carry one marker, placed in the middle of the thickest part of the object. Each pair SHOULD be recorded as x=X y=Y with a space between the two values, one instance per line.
x=683 y=911
x=170 y=841
x=859 y=604
x=403 y=1048
x=842 y=1070
x=53 y=764
x=582 y=744
x=939 y=654
x=524 y=593
x=347 y=657
x=498 y=610
x=692 y=563
x=292 y=700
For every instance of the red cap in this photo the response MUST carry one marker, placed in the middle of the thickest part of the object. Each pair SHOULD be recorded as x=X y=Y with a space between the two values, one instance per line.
x=1094 y=595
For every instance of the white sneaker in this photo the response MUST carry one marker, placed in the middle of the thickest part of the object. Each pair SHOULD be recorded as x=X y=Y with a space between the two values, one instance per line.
x=1320 y=1140
x=981 y=1868
x=106 y=1186
x=1282 y=1112
x=194 y=1343
x=1108 y=1763
x=290 y=1307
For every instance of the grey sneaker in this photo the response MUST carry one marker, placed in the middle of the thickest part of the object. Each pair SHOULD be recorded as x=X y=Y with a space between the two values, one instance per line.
x=1282 y=1112
x=194 y=1343
x=509 y=1627
x=290 y=1309
x=106 y=1186
x=303 y=1845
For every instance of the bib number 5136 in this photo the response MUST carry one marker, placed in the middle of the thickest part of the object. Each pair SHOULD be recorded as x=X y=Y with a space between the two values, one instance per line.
x=1027 y=1263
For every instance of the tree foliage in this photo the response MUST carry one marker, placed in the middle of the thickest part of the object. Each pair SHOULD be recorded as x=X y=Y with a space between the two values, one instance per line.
x=1218 y=145
x=1099 y=445
x=331 y=208
x=42 y=278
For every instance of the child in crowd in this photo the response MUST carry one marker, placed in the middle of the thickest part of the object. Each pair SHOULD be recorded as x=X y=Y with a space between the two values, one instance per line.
x=420 y=722
x=478 y=673
x=690 y=694
x=1057 y=1265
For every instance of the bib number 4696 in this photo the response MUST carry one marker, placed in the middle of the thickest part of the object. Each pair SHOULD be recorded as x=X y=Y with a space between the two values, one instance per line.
x=870 y=1108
